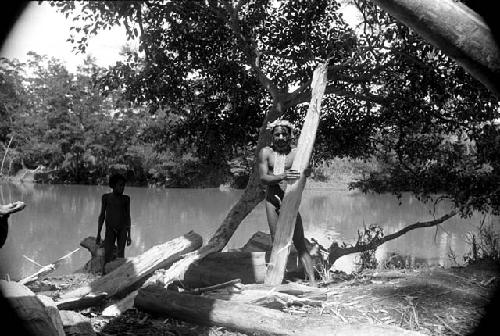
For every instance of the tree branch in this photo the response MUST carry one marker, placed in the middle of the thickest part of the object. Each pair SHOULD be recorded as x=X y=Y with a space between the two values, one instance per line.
x=336 y=252
x=250 y=49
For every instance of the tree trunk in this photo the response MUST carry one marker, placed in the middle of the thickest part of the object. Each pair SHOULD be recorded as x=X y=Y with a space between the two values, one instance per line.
x=455 y=29
x=249 y=318
x=124 y=278
x=5 y=154
x=293 y=192
x=29 y=308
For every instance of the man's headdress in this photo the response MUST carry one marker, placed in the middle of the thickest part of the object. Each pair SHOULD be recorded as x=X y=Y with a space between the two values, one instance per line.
x=282 y=123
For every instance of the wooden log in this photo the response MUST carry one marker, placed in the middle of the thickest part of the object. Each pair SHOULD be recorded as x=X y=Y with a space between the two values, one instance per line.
x=117 y=308
x=96 y=262
x=75 y=324
x=123 y=279
x=29 y=308
x=457 y=30
x=220 y=267
x=293 y=192
x=78 y=303
x=53 y=312
x=45 y=270
x=250 y=318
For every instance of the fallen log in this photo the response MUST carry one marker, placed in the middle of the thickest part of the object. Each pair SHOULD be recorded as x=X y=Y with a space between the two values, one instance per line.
x=53 y=312
x=249 y=265
x=250 y=318
x=78 y=303
x=123 y=279
x=45 y=270
x=75 y=324
x=29 y=308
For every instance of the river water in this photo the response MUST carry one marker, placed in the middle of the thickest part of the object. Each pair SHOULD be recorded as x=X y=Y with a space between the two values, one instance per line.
x=58 y=217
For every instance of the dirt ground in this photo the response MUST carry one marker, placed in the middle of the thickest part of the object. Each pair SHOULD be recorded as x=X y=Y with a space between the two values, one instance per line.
x=432 y=301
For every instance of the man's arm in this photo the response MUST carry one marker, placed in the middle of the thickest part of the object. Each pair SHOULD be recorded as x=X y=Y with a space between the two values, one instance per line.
x=100 y=219
x=267 y=178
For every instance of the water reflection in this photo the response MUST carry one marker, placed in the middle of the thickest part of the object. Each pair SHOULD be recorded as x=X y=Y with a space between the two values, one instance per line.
x=57 y=217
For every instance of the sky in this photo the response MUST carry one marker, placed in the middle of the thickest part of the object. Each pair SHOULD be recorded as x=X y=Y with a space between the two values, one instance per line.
x=42 y=30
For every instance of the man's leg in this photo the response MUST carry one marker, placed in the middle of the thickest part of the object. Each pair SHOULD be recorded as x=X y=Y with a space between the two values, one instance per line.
x=272 y=218
x=300 y=245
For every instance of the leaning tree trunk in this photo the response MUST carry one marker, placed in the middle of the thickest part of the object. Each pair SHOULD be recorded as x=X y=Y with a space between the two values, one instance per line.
x=252 y=196
x=293 y=192
x=455 y=29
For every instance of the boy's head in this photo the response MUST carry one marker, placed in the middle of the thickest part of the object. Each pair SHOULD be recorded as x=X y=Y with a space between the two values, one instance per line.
x=117 y=182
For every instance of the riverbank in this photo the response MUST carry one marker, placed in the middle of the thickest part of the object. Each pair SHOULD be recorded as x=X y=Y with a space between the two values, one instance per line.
x=328 y=174
x=430 y=301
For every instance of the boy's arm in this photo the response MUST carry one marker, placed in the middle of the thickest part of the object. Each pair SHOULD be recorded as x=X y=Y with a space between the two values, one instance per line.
x=100 y=219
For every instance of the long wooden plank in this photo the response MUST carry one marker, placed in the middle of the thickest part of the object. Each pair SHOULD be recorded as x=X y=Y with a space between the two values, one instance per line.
x=293 y=193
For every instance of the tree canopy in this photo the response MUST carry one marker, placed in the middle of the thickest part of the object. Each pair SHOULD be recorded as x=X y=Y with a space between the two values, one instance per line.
x=231 y=66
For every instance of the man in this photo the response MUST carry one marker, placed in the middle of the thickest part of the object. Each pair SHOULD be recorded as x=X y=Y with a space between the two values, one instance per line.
x=5 y=211
x=275 y=162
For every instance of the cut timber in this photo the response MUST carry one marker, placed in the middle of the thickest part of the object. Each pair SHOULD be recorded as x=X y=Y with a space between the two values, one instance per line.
x=29 y=308
x=78 y=303
x=250 y=318
x=96 y=262
x=293 y=192
x=116 y=308
x=220 y=267
x=47 y=269
x=123 y=279
x=457 y=30
x=75 y=324
x=53 y=312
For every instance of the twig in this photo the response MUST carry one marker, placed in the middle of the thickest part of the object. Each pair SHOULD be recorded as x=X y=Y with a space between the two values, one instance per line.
x=339 y=315
x=46 y=269
x=214 y=287
x=447 y=326
x=31 y=260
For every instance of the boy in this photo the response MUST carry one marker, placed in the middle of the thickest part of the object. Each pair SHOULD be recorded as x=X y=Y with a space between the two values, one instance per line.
x=115 y=211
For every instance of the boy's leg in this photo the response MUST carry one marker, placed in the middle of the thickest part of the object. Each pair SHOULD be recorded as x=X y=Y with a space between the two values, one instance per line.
x=121 y=240
x=109 y=245
x=300 y=245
